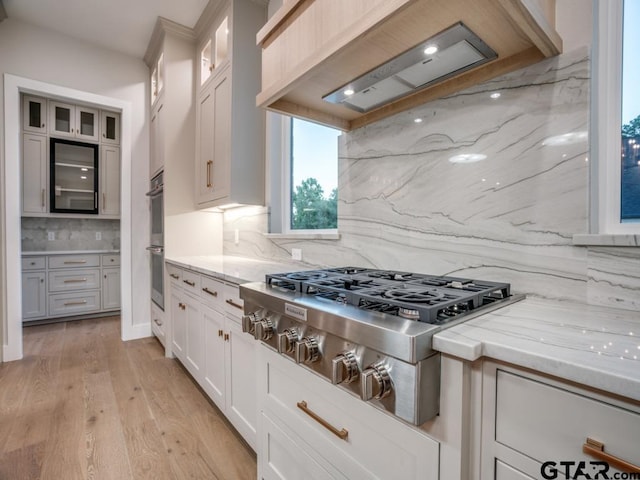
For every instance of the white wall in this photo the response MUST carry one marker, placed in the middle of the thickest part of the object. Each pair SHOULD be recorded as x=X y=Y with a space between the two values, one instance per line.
x=69 y=66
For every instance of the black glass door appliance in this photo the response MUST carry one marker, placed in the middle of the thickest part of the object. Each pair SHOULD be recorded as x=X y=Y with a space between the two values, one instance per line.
x=73 y=177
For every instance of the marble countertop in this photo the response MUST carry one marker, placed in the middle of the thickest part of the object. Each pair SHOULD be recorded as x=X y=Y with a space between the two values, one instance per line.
x=594 y=346
x=67 y=252
x=234 y=269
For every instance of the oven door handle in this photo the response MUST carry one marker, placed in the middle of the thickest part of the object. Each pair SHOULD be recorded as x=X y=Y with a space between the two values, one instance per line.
x=156 y=250
x=157 y=190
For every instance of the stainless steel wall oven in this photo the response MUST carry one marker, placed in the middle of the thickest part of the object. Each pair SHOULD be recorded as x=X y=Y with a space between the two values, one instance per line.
x=156 y=248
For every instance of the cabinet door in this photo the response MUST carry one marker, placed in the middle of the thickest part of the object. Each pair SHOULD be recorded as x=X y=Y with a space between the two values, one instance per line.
x=179 y=325
x=34 y=173
x=195 y=337
x=205 y=147
x=215 y=363
x=110 y=126
x=86 y=123
x=220 y=170
x=241 y=382
x=34 y=298
x=34 y=114
x=111 y=288
x=214 y=140
x=156 y=161
x=109 y=180
x=61 y=119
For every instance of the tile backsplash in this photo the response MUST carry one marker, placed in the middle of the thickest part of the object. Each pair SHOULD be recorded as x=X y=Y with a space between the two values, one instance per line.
x=69 y=234
x=412 y=197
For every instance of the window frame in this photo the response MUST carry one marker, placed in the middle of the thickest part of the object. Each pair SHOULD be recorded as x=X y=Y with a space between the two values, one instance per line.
x=606 y=124
x=281 y=178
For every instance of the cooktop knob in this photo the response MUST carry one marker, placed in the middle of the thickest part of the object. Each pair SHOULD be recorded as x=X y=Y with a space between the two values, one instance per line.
x=248 y=322
x=287 y=340
x=307 y=350
x=263 y=329
x=344 y=368
x=376 y=382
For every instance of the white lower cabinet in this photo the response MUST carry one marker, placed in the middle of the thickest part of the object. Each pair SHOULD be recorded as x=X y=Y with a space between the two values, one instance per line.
x=65 y=285
x=208 y=340
x=311 y=429
x=34 y=295
x=534 y=426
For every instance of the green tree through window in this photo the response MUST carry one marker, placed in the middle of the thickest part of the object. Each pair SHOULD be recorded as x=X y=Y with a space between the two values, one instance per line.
x=311 y=209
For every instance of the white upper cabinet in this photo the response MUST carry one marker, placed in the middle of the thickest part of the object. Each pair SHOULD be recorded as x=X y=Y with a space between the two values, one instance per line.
x=74 y=121
x=34 y=114
x=229 y=127
x=110 y=126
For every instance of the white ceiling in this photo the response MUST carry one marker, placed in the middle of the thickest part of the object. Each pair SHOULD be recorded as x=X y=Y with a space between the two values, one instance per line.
x=121 y=25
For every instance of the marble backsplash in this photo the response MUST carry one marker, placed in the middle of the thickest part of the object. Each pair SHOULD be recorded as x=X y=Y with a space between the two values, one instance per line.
x=69 y=233
x=411 y=199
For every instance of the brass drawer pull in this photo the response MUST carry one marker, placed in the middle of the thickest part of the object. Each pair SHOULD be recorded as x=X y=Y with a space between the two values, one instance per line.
x=220 y=332
x=226 y=337
x=213 y=294
x=181 y=306
x=190 y=283
x=83 y=302
x=72 y=262
x=596 y=449
x=342 y=433
x=209 y=165
x=234 y=304
x=173 y=275
x=76 y=280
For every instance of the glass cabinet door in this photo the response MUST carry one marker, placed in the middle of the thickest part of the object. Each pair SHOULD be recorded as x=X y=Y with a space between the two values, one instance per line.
x=74 y=177
x=34 y=112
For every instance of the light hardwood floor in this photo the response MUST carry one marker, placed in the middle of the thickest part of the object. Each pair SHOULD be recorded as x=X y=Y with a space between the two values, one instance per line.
x=82 y=404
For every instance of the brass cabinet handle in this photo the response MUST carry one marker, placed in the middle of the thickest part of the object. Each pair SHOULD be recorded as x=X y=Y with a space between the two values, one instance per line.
x=596 y=449
x=220 y=332
x=173 y=275
x=234 y=304
x=104 y=201
x=213 y=294
x=75 y=280
x=209 y=165
x=182 y=306
x=226 y=337
x=43 y=198
x=341 y=434
x=70 y=262
x=66 y=304
x=190 y=283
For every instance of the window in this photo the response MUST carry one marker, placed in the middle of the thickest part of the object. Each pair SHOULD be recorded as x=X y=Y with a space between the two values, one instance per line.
x=615 y=117
x=309 y=174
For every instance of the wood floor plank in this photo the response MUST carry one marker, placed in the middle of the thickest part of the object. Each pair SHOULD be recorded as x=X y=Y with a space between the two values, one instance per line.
x=85 y=405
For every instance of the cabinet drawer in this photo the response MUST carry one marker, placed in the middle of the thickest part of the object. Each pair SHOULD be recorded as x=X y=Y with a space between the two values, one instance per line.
x=34 y=263
x=63 y=304
x=157 y=322
x=191 y=282
x=69 y=261
x=110 y=260
x=212 y=292
x=74 y=279
x=548 y=423
x=175 y=274
x=377 y=445
x=233 y=304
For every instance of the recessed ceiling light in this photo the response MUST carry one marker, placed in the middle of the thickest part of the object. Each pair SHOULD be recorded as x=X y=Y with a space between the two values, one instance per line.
x=348 y=91
x=467 y=158
x=83 y=169
x=417 y=120
x=495 y=95
x=430 y=50
x=83 y=177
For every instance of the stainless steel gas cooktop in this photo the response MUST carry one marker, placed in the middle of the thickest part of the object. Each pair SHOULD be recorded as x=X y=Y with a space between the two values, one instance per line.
x=369 y=331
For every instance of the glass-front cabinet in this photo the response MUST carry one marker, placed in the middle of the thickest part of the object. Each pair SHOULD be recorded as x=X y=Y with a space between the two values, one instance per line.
x=73 y=121
x=34 y=114
x=73 y=177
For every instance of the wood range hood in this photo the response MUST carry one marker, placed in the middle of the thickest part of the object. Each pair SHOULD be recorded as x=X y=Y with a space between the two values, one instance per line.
x=321 y=58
